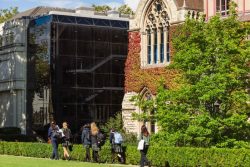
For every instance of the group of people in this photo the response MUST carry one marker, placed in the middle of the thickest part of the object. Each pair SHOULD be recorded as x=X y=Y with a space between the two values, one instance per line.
x=92 y=138
x=64 y=134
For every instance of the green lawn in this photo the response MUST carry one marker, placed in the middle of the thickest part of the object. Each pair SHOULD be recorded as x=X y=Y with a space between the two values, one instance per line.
x=13 y=161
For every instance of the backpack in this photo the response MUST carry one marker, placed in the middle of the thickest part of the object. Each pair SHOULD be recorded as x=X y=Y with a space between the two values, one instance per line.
x=118 y=138
x=100 y=139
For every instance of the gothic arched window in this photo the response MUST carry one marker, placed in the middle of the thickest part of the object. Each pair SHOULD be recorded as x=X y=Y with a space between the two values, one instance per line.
x=146 y=96
x=156 y=36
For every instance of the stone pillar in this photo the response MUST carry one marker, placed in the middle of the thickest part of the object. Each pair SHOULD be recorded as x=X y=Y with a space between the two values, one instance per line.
x=128 y=107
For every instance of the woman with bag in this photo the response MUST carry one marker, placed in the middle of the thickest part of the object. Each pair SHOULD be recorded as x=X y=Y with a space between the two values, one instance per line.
x=143 y=150
x=66 y=144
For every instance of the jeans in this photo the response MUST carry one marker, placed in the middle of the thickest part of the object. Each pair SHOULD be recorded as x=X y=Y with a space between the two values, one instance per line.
x=55 y=149
x=144 y=159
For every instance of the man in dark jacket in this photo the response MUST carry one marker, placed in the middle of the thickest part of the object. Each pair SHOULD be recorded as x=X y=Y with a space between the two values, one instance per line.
x=53 y=135
x=86 y=140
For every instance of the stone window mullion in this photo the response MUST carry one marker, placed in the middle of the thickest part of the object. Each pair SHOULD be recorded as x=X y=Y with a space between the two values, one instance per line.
x=158 y=46
x=165 y=44
x=152 y=47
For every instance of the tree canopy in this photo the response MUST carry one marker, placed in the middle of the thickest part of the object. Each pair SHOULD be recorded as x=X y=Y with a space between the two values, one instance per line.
x=209 y=107
x=6 y=14
x=125 y=9
x=101 y=8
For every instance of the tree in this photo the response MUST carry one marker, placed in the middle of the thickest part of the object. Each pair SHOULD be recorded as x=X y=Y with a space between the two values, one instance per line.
x=209 y=107
x=101 y=8
x=113 y=122
x=125 y=9
x=6 y=14
x=116 y=123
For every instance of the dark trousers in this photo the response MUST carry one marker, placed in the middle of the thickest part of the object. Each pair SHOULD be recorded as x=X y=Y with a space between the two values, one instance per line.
x=144 y=159
x=95 y=156
x=87 y=155
x=55 y=149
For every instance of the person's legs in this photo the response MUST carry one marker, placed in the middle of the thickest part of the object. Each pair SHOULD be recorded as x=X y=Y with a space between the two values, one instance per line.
x=87 y=156
x=65 y=153
x=119 y=151
x=97 y=156
x=113 y=154
x=142 y=158
x=122 y=157
x=93 y=155
x=55 y=150
x=145 y=157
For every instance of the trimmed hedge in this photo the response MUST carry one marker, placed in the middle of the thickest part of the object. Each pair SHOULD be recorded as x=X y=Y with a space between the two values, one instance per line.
x=175 y=156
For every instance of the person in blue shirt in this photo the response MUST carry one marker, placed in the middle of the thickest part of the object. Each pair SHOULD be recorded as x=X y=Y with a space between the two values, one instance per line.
x=53 y=136
x=116 y=140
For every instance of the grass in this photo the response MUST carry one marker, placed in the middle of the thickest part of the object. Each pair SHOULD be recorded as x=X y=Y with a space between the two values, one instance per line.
x=14 y=161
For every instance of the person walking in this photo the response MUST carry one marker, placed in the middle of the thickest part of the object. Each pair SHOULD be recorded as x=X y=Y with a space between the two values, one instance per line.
x=94 y=142
x=66 y=140
x=144 y=136
x=53 y=136
x=116 y=140
x=86 y=141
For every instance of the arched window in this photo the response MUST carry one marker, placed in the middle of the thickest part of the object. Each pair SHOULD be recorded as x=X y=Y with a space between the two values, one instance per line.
x=156 y=36
x=146 y=95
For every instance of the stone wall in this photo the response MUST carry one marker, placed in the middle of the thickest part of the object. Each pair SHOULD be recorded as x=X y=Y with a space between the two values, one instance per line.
x=13 y=75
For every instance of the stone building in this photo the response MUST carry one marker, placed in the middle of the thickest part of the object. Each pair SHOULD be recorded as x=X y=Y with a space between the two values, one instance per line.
x=150 y=48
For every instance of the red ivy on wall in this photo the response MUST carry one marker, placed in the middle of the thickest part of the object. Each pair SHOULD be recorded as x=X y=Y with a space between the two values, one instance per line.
x=135 y=77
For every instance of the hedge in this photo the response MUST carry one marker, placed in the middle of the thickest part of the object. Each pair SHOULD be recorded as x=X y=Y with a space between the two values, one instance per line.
x=159 y=156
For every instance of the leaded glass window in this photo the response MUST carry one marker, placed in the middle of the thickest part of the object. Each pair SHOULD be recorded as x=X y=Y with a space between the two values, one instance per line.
x=156 y=35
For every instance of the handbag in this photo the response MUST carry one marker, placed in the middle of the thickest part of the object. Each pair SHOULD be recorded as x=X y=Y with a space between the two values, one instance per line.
x=140 y=145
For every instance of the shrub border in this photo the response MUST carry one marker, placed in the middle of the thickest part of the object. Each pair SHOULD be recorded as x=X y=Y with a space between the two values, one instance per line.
x=175 y=156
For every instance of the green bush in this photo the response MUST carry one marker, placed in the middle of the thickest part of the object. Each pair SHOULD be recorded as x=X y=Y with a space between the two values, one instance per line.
x=175 y=156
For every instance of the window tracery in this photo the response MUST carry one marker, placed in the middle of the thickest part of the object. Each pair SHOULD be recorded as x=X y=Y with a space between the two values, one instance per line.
x=156 y=28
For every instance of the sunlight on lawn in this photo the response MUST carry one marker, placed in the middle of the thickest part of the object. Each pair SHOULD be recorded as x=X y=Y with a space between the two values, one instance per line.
x=13 y=161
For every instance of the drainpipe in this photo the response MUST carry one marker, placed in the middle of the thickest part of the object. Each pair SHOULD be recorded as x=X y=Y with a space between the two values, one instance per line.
x=244 y=7
x=206 y=9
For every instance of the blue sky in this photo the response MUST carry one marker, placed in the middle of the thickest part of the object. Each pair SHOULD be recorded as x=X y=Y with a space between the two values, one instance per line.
x=27 y=4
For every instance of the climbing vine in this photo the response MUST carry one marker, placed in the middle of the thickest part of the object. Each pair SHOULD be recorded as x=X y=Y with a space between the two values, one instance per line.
x=137 y=78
